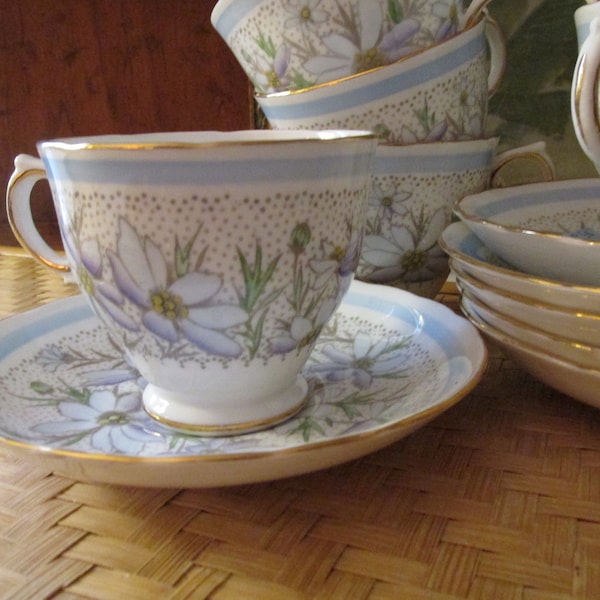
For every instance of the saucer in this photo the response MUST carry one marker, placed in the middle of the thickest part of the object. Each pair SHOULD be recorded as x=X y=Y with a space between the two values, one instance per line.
x=578 y=382
x=387 y=363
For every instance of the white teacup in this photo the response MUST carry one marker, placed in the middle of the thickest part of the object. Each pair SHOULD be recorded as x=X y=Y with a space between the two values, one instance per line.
x=413 y=192
x=293 y=44
x=585 y=101
x=213 y=258
x=439 y=94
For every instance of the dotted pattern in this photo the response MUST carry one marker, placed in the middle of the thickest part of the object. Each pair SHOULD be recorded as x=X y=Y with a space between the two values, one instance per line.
x=218 y=228
x=420 y=193
x=459 y=98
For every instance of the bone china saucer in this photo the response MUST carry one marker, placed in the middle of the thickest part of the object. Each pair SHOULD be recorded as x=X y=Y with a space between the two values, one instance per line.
x=387 y=363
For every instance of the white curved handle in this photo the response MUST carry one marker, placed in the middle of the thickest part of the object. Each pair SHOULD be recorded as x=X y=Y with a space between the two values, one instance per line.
x=584 y=95
x=28 y=171
x=497 y=46
x=532 y=155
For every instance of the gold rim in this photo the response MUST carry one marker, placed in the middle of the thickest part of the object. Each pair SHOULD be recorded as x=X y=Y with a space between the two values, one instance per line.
x=468 y=292
x=546 y=168
x=387 y=431
x=409 y=424
x=512 y=342
x=532 y=303
x=217 y=430
x=304 y=137
x=541 y=233
x=474 y=262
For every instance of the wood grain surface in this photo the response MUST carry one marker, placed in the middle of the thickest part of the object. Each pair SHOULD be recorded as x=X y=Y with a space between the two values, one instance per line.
x=84 y=67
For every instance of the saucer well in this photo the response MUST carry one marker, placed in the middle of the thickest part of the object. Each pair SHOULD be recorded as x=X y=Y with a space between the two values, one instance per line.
x=387 y=363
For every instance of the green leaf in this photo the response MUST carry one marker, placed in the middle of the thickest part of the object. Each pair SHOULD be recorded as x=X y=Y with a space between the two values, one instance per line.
x=306 y=427
x=395 y=11
x=182 y=256
x=39 y=387
x=266 y=45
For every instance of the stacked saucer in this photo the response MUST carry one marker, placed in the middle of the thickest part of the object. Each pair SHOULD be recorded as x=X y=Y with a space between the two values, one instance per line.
x=526 y=261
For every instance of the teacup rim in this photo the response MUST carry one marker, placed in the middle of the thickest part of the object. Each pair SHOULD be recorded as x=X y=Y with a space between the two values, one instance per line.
x=215 y=138
x=467 y=209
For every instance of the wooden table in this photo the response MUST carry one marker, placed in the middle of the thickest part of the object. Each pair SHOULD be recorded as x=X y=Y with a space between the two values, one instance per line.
x=499 y=497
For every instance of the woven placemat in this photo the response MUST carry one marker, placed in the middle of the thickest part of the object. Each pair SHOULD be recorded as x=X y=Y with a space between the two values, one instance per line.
x=497 y=498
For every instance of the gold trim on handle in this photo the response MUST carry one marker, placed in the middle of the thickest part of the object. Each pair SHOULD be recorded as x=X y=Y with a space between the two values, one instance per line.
x=579 y=83
x=39 y=174
x=547 y=170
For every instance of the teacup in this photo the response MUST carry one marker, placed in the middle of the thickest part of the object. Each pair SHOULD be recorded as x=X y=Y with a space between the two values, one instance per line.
x=439 y=94
x=293 y=44
x=213 y=258
x=413 y=191
x=585 y=103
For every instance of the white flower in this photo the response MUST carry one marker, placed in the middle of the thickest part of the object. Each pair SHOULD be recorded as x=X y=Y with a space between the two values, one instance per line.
x=270 y=74
x=303 y=330
x=448 y=11
x=173 y=309
x=405 y=254
x=367 y=359
x=111 y=422
x=88 y=268
x=388 y=200
x=304 y=14
x=338 y=262
x=347 y=55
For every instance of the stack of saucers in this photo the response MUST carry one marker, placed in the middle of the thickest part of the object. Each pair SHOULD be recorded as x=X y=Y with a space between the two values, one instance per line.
x=418 y=74
x=527 y=262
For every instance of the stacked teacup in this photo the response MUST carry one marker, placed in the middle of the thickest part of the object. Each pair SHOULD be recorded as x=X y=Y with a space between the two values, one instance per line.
x=418 y=74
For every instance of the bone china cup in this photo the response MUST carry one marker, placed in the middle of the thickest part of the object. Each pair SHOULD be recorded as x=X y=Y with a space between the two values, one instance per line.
x=412 y=194
x=213 y=258
x=439 y=94
x=292 y=44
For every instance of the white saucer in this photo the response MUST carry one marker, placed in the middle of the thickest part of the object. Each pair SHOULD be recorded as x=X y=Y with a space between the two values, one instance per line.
x=387 y=363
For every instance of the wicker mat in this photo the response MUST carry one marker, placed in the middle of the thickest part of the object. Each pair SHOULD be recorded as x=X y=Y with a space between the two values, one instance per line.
x=497 y=498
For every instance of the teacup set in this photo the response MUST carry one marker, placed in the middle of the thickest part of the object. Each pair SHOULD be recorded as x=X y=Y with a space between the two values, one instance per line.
x=527 y=259
x=419 y=75
x=215 y=260
x=527 y=263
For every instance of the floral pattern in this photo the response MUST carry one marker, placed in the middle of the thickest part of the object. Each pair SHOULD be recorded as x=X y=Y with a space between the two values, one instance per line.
x=315 y=45
x=76 y=391
x=410 y=251
x=181 y=308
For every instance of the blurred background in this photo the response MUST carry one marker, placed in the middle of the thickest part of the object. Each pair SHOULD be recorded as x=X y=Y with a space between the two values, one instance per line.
x=82 y=67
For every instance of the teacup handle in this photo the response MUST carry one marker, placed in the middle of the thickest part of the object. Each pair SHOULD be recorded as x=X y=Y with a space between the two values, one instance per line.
x=584 y=95
x=472 y=13
x=497 y=46
x=28 y=171
x=535 y=154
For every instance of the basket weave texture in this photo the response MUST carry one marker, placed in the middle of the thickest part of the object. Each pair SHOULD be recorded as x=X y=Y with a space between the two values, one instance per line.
x=497 y=498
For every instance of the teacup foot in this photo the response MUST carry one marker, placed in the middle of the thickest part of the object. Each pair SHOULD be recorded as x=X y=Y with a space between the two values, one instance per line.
x=181 y=411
